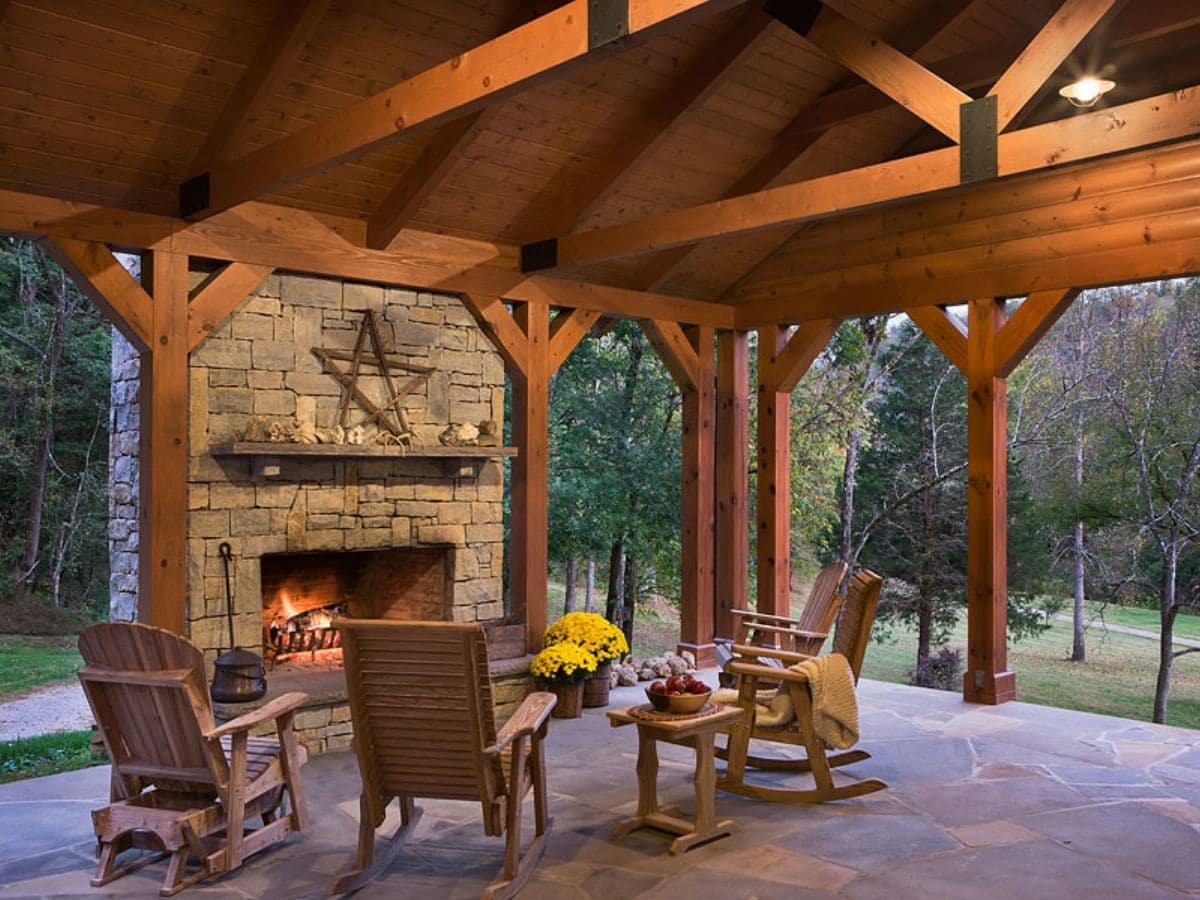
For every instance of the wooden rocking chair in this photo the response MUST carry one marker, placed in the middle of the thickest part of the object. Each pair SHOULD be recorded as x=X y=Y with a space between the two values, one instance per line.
x=421 y=703
x=853 y=634
x=180 y=784
x=805 y=635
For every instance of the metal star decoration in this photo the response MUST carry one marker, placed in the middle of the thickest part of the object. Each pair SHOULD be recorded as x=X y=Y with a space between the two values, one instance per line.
x=390 y=415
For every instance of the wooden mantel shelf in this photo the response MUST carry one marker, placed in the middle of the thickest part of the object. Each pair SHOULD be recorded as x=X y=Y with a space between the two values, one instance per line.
x=357 y=451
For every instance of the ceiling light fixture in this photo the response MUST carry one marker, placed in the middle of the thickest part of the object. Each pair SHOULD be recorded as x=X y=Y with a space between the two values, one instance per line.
x=1086 y=91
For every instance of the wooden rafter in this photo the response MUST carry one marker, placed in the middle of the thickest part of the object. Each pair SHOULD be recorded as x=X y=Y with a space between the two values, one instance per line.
x=675 y=351
x=945 y=329
x=501 y=329
x=1155 y=119
x=618 y=301
x=1025 y=327
x=219 y=296
x=423 y=177
x=98 y=274
x=903 y=79
x=650 y=131
x=788 y=365
x=1074 y=20
x=514 y=61
x=288 y=34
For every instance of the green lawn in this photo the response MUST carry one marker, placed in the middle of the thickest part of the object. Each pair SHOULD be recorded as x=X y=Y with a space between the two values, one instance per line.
x=1117 y=679
x=26 y=664
x=45 y=755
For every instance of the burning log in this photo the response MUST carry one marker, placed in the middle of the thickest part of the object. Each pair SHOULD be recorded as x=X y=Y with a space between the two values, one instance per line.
x=306 y=632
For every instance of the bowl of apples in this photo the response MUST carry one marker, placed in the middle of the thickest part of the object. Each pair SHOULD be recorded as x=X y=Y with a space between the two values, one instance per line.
x=680 y=694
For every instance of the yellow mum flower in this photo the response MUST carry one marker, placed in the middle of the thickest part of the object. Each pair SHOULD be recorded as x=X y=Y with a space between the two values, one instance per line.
x=594 y=633
x=563 y=662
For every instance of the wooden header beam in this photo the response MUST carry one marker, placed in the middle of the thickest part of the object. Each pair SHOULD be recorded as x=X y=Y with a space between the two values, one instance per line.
x=513 y=61
x=1156 y=119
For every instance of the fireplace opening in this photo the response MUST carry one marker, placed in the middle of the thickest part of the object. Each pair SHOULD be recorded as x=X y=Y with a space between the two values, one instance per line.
x=303 y=594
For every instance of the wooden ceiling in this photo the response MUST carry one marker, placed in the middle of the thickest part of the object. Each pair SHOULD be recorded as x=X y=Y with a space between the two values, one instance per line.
x=118 y=102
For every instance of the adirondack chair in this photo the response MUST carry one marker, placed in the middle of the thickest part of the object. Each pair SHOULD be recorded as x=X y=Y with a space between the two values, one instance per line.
x=421 y=703
x=853 y=634
x=805 y=635
x=177 y=778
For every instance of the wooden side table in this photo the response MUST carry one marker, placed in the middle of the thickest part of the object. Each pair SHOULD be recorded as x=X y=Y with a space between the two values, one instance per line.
x=698 y=732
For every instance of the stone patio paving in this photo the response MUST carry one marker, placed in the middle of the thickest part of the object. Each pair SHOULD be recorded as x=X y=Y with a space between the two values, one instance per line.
x=1017 y=801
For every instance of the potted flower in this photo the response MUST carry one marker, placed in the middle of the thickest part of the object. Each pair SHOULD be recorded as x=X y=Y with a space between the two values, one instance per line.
x=564 y=667
x=599 y=637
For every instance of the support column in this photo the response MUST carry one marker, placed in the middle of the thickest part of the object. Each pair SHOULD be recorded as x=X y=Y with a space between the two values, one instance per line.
x=697 y=502
x=987 y=679
x=529 y=489
x=731 y=545
x=774 y=479
x=163 y=462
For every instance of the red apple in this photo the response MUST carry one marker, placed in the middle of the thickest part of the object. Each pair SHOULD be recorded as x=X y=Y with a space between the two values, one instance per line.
x=658 y=687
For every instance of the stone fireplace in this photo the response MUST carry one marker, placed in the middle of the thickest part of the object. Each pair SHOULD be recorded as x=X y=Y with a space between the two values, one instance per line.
x=324 y=528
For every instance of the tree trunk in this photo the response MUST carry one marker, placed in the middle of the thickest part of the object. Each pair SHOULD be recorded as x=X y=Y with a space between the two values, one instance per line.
x=26 y=566
x=630 y=606
x=569 y=592
x=849 y=480
x=1167 y=612
x=1078 y=647
x=589 y=587
x=616 y=580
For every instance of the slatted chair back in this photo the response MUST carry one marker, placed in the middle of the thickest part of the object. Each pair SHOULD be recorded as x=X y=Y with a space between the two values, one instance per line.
x=858 y=616
x=148 y=694
x=421 y=702
x=821 y=609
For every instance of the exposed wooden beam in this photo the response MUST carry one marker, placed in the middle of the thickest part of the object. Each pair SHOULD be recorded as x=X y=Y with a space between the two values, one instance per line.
x=98 y=274
x=906 y=81
x=946 y=331
x=513 y=61
x=287 y=36
x=731 y=560
x=569 y=327
x=1033 y=318
x=1074 y=20
x=788 y=365
x=286 y=238
x=423 y=177
x=650 y=131
x=619 y=301
x=219 y=296
x=675 y=351
x=1155 y=119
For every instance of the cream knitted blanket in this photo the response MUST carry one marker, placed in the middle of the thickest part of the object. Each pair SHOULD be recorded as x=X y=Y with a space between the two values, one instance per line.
x=835 y=705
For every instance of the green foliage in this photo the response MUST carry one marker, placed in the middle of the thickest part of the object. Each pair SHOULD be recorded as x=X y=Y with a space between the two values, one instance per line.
x=46 y=754
x=34 y=295
x=614 y=455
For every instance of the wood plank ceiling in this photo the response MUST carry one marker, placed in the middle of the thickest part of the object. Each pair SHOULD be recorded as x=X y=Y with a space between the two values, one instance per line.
x=116 y=102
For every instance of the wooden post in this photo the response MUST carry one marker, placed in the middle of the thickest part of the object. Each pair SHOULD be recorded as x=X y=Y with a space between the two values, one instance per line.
x=731 y=551
x=163 y=458
x=529 y=489
x=696 y=527
x=774 y=479
x=987 y=679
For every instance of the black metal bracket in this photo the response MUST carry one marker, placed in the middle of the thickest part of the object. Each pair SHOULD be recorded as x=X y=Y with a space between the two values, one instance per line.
x=194 y=195
x=539 y=255
x=608 y=21
x=798 y=15
x=978 y=152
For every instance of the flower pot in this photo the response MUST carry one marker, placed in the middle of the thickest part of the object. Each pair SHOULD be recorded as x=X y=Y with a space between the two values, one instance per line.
x=570 y=699
x=595 y=689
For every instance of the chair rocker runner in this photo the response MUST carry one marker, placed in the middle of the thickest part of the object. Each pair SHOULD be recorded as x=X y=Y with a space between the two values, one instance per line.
x=853 y=634
x=180 y=783
x=421 y=703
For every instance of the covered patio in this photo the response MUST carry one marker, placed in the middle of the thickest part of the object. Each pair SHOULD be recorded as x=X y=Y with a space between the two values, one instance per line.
x=1013 y=801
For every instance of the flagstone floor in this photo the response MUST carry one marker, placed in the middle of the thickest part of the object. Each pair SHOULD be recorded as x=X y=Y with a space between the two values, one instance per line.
x=1017 y=801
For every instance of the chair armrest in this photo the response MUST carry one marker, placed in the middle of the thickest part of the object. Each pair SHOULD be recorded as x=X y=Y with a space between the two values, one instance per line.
x=529 y=717
x=268 y=712
x=737 y=667
x=753 y=650
x=751 y=614
x=792 y=632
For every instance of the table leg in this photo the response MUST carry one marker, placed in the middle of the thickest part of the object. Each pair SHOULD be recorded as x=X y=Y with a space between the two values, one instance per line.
x=647 y=772
x=706 y=827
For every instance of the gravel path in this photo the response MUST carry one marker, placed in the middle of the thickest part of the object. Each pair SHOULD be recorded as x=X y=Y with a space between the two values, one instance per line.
x=1125 y=629
x=59 y=707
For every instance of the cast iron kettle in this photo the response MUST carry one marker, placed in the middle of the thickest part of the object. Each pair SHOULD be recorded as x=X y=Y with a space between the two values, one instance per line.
x=238 y=675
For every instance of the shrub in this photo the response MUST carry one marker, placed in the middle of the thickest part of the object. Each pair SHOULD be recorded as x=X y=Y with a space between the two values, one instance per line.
x=942 y=670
